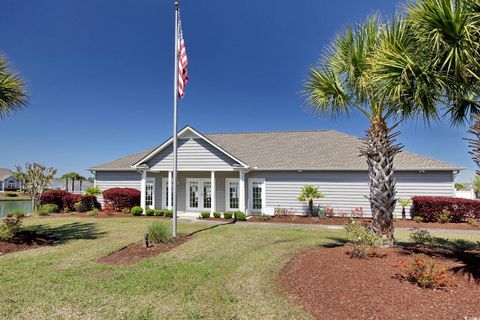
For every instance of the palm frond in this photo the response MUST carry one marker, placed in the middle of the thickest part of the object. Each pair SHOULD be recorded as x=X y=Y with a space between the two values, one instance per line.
x=13 y=95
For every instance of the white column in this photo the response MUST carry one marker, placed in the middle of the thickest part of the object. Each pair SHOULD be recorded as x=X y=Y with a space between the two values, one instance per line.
x=213 y=193
x=242 y=191
x=169 y=195
x=143 y=191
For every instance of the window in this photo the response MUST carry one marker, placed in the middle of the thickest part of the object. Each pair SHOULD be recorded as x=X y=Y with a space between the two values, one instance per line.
x=257 y=195
x=149 y=194
x=233 y=195
x=207 y=194
x=193 y=190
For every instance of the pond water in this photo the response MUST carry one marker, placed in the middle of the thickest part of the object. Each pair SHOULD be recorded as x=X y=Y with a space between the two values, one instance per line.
x=15 y=205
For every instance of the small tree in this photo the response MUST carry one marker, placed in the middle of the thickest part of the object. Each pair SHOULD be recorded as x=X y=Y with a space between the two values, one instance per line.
x=476 y=185
x=81 y=179
x=404 y=203
x=36 y=178
x=460 y=186
x=308 y=194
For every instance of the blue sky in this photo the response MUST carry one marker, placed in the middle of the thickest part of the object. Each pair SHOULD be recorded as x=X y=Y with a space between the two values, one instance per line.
x=100 y=75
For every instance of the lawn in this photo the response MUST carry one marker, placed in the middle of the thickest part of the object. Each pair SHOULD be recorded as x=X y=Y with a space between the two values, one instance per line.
x=226 y=272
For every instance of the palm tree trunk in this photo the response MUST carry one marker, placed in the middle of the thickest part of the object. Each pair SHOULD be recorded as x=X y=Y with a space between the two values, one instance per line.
x=310 y=208
x=66 y=185
x=404 y=214
x=474 y=143
x=73 y=185
x=380 y=149
x=81 y=185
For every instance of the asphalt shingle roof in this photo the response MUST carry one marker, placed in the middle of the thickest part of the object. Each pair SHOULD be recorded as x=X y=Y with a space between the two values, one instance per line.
x=306 y=150
x=5 y=173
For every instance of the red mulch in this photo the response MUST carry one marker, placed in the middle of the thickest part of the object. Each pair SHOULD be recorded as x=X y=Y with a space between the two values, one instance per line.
x=340 y=221
x=136 y=252
x=330 y=284
x=25 y=240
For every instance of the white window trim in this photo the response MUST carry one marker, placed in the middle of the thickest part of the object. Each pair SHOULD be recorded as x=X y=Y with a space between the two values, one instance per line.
x=200 y=190
x=164 y=193
x=250 y=195
x=227 y=194
x=151 y=180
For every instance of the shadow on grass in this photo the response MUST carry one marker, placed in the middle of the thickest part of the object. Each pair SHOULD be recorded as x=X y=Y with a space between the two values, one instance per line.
x=336 y=242
x=69 y=231
x=464 y=252
x=211 y=227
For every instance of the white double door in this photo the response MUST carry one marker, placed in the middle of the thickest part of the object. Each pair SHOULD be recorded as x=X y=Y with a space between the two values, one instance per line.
x=199 y=194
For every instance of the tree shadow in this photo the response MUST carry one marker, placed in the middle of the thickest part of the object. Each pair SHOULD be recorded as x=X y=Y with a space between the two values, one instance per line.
x=465 y=253
x=211 y=227
x=67 y=232
x=336 y=242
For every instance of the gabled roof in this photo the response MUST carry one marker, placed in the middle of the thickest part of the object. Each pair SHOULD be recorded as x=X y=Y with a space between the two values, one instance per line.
x=294 y=150
x=5 y=173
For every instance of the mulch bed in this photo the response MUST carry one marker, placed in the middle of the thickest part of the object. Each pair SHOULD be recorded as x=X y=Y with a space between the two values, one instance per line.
x=136 y=252
x=341 y=221
x=330 y=284
x=25 y=240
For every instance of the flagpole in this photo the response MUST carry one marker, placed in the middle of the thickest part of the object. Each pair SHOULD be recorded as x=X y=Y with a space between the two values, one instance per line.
x=175 y=101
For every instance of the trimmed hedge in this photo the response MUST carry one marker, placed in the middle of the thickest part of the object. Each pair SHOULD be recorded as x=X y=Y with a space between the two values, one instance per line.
x=430 y=208
x=53 y=197
x=69 y=201
x=121 y=198
x=88 y=203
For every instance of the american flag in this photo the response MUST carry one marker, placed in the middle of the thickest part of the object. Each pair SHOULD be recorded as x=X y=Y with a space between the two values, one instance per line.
x=182 y=62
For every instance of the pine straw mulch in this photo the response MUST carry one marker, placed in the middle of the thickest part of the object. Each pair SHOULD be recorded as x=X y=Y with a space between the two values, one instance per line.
x=330 y=284
x=26 y=239
x=136 y=252
x=340 y=221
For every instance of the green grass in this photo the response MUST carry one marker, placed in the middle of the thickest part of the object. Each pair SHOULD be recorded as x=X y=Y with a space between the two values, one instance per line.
x=225 y=272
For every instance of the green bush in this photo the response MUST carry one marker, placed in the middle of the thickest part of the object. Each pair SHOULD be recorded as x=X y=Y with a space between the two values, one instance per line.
x=421 y=237
x=217 y=215
x=240 y=216
x=9 y=227
x=92 y=213
x=362 y=239
x=158 y=232
x=168 y=213
x=228 y=215
x=66 y=210
x=159 y=213
x=418 y=219
x=205 y=214
x=136 y=211
x=47 y=209
x=19 y=214
x=150 y=212
x=126 y=210
x=11 y=194
x=263 y=218
x=92 y=191
x=78 y=207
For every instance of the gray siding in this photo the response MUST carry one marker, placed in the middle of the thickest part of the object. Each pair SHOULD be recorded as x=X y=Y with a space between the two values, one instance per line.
x=193 y=154
x=345 y=191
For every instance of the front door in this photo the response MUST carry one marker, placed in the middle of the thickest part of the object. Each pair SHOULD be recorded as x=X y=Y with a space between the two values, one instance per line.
x=199 y=194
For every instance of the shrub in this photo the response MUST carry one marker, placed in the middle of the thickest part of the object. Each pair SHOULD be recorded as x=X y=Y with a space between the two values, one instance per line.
x=263 y=218
x=120 y=198
x=158 y=232
x=93 y=212
x=69 y=201
x=363 y=239
x=417 y=219
x=159 y=213
x=425 y=274
x=471 y=221
x=11 y=194
x=240 y=216
x=205 y=214
x=420 y=236
x=126 y=210
x=87 y=203
x=228 y=215
x=9 y=227
x=150 y=212
x=92 y=191
x=19 y=214
x=54 y=197
x=47 y=208
x=168 y=213
x=430 y=208
x=66 y=210
x=217 y=215
x=136 y=211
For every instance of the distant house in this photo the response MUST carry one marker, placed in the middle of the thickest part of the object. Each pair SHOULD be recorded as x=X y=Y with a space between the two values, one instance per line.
x=257 y=172
x=8 y=181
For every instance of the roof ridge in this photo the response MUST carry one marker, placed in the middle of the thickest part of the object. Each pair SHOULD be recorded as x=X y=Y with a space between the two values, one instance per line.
x=274 y=131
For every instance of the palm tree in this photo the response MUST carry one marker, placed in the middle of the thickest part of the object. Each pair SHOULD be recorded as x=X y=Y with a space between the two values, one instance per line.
x=66 y=176
x=81 y=179
x=343 y=82
x=74 y=176
x=309 y=194
x=12 y=90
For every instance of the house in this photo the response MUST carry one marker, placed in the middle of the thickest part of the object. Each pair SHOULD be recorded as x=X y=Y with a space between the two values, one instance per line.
x=8 y=181
x=257 y=172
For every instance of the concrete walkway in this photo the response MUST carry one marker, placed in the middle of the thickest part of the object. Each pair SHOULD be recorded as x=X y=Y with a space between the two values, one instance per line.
x=193 y=219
